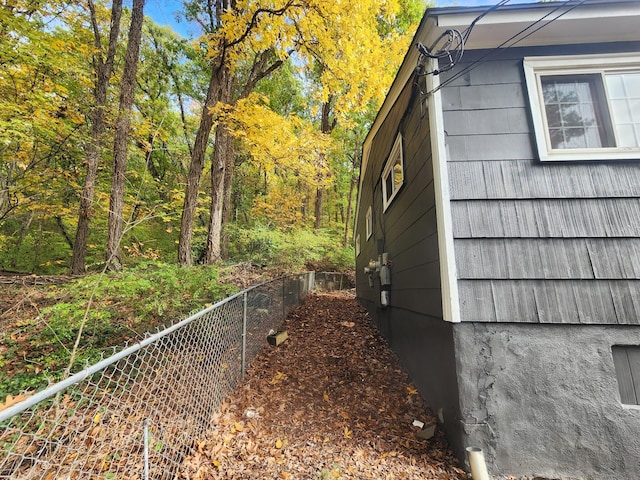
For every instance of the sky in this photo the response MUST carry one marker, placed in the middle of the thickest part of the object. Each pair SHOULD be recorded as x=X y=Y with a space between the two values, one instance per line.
x=164 y=12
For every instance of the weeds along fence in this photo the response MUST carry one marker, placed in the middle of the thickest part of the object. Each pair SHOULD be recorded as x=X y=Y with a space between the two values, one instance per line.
x=136 y=414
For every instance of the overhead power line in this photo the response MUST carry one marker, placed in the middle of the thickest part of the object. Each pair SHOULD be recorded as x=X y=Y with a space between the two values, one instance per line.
x=514 y=39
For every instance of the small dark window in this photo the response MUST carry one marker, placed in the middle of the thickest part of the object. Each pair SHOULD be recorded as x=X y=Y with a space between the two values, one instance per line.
x=626 y=359
x=393 y=174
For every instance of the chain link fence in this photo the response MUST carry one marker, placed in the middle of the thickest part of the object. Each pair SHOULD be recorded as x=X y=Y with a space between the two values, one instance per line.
x=136 y=414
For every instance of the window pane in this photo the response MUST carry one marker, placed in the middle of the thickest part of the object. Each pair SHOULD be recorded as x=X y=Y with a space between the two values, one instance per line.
x=549 y=93
x=615 y=86
x=389 y=184
x=592 y=137
x=621 y=111
x=575 y=138
x=397 y=175
x=632 y=84
x=556 y=137
x=553 y=115
x=575 y=115
x=635 y=109
x=624 y=92
x=627 y=136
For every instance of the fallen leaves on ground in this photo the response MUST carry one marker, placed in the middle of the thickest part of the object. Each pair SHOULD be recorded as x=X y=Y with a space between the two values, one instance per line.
x=331 y=402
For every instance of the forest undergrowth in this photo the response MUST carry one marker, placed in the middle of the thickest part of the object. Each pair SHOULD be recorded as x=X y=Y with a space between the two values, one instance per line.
x=41 y=316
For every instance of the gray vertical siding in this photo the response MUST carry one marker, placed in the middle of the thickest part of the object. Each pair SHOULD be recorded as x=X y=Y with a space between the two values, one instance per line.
x=407 y=229
x=547 y=243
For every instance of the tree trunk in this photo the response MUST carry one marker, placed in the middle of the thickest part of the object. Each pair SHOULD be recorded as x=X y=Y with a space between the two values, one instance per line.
x=347 y=222
x=195 y=172
x=228 y=184
x=123 y=123
x=326 y=126
x=317 y=210
x=6 y=175
x=228 y=191
x=220 y=164
x=63 y=230
x=103 y=70
x=221 y=207
x=218 y=175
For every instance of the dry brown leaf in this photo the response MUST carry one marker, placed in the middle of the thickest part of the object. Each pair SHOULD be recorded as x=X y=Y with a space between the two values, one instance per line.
x=11 y=400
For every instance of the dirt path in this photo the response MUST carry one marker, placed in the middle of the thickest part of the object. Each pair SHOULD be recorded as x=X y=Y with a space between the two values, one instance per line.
x=331 y=402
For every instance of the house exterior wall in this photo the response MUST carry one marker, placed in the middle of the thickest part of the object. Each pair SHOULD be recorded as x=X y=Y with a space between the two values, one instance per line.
x=535 y=242
x=407 y=229
x=548 y=268
x=407 y=232
x=542 y=400
x=548 y=274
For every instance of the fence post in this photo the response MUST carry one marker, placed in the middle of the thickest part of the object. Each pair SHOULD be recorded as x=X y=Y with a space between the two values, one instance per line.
x=284 y=306
x=145 y=439
x=244 y=334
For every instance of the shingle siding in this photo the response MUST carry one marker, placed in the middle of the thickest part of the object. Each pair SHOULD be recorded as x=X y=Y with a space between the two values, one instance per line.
x=509 y=179
x=547 y=218
x=551 y=301
x=534 y=242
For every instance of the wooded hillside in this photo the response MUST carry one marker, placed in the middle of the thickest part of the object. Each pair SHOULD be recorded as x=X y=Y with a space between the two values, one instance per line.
x=121 y=141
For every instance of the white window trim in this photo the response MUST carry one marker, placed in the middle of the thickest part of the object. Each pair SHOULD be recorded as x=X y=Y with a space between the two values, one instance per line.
x=369 y=222
x=357 y=244
x=397 y=147
x=534 y=67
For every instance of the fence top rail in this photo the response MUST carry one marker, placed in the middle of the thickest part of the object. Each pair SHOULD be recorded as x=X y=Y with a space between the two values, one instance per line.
x=57 y=387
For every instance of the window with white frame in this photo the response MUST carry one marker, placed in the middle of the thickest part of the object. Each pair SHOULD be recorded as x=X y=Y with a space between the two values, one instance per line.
x=357 y=242
x=585 y=107
x=369 y=223
x=393 y=173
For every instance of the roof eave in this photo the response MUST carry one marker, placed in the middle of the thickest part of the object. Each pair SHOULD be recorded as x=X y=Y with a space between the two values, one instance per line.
x=617 y=21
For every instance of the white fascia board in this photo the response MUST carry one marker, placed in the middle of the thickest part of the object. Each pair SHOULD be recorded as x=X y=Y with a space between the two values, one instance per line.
x=446 y=249
x=560 y=23
x=530 y=13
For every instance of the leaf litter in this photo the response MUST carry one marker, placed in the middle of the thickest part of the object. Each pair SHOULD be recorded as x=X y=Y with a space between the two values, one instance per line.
x=331 y=402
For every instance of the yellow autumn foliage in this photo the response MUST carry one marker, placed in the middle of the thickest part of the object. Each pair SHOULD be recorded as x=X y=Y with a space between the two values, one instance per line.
x=289 y=152
x=342 y=36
